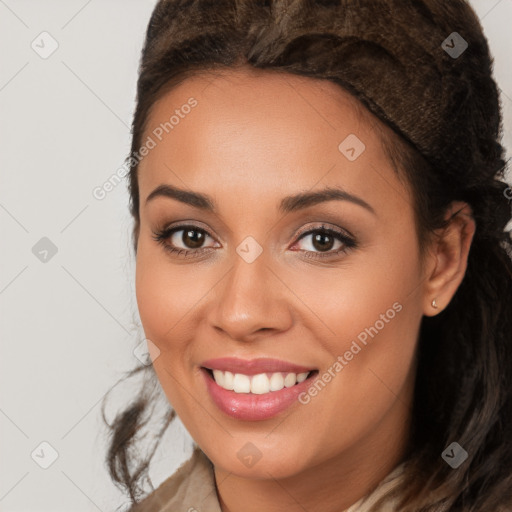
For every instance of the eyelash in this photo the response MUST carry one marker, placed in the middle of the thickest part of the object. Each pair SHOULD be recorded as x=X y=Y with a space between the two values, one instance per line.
x=162 y=236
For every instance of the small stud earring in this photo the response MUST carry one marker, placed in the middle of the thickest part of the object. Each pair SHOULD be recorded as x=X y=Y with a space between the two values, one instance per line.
x=434 y=304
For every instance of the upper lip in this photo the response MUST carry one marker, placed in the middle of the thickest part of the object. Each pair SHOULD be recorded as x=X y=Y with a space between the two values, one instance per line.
x=253 y=366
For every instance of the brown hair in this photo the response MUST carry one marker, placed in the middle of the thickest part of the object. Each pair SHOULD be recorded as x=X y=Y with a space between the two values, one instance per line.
x=443 y=130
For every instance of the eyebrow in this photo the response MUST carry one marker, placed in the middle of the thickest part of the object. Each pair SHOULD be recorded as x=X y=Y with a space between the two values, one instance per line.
x=288 y=204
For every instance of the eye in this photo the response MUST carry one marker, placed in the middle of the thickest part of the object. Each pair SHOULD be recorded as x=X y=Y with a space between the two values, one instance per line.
x=324 y=242
x=189 y=236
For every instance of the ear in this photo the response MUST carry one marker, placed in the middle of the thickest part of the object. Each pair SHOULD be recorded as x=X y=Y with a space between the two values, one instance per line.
x=447 y=258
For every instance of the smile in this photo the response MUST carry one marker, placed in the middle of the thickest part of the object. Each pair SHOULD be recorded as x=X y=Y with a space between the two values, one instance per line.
x=254 y=390
x=257 y=384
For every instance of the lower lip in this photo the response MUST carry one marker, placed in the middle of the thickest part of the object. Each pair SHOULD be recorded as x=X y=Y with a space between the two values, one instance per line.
x=252 y=407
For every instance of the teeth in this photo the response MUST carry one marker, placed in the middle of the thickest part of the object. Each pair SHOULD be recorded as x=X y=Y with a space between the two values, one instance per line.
x=290 y=380
x=219 y=378
x=228 y=380
x=302 y=377
x=241 y=383
x=276 y=382
x=257 y=384
x=260 y=384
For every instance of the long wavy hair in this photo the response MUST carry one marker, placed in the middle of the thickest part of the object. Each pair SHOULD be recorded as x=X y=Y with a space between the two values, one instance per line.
x=445 y=122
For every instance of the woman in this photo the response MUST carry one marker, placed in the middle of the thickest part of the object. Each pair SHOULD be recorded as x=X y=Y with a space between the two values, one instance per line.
x=323 y=272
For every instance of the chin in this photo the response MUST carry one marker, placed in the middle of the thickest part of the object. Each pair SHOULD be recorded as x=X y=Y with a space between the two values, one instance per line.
x=257 y=457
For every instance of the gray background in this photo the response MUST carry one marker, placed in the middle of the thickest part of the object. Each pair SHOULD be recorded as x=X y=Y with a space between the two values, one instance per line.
x=68 y=326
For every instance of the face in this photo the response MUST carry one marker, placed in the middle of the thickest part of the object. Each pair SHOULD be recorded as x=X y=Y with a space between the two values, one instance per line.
x=254 y=282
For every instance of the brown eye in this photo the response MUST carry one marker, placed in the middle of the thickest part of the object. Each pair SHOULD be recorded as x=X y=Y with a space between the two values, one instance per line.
x=325 y=242
x=192 y=238
x=183 y=240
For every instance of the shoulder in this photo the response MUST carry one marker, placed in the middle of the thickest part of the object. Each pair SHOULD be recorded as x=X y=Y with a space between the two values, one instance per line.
x=191 y=487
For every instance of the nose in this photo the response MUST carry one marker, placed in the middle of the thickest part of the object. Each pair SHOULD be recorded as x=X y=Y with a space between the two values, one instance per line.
x=251 y=302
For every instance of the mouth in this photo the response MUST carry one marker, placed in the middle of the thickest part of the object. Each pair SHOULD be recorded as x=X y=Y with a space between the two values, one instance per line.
x=256 y=396
x=258 y=384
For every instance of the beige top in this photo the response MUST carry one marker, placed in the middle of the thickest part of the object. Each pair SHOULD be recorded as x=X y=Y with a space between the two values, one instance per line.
x=192 y=489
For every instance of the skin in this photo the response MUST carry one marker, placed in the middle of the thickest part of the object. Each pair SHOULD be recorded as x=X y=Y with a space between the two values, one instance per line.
x=255 y=137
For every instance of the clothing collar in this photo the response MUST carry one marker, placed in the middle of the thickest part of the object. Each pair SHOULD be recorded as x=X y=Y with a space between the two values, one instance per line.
x=192 y=488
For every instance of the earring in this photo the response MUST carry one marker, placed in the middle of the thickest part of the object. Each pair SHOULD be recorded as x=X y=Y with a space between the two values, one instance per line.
x=434 y=304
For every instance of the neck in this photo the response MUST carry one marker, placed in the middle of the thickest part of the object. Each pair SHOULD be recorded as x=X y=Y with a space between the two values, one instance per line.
x=331 y=486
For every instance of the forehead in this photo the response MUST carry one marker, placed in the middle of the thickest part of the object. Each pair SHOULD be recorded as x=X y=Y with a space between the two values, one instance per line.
x=260 y=131
x=248 y=95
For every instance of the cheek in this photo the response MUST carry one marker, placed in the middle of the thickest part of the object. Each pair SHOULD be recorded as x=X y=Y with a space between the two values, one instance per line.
x=164 y=294
x=164 y=298
x=372 y=376
x=364 y=292
x=368 y=313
